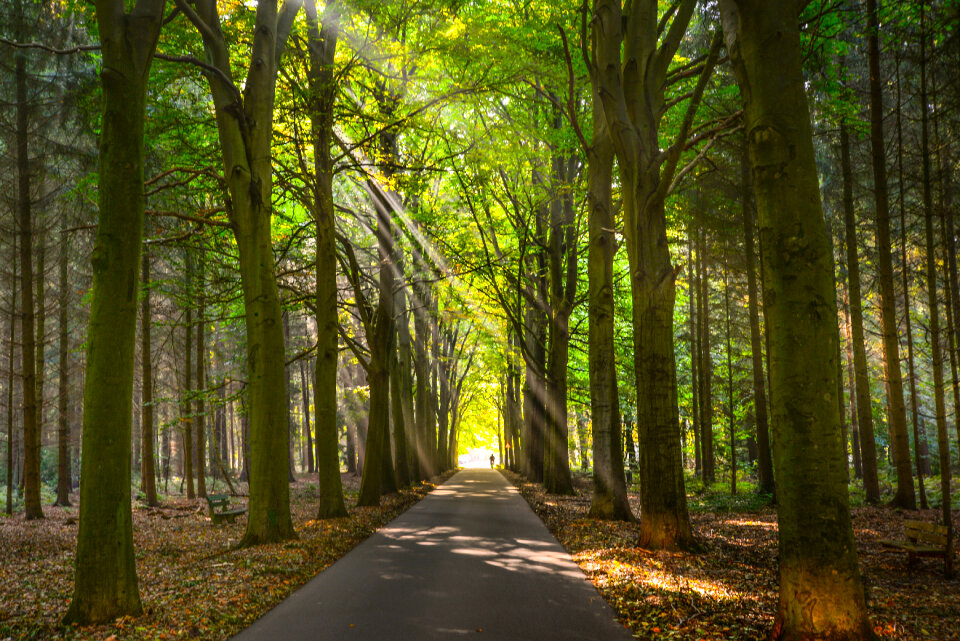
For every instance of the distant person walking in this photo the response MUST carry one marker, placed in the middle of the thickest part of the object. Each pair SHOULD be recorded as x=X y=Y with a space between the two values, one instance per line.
x=492 y=459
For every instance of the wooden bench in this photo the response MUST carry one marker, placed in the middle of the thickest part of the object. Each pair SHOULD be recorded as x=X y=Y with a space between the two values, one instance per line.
x=220 y=509
x=923 y=539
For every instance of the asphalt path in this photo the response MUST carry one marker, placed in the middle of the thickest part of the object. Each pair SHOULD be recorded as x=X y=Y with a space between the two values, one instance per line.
x=469 y=560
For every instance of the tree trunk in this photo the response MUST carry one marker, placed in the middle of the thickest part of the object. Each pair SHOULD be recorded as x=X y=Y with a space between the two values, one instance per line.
x=377 y=466
x=868 y=450
x=148 y=481
x=399 y=422
x=693 y=288
x=41 y=330
x=201 y=422
x=562 y=258
x=305 y=399
x=609 y=499
x=933 y=305
x=821 y=594
x=896 y=412
x=534 y=392
x=105 y=585
x=63 y=391
x=424 y=425
x=28 y=346
x=245 y=127
x=707 y=459
x=11 y=355
x=764 y=464
x=443 y=400
x=405 y=364
x=854 y=422
x=731 y=426
x=322 y=44
x=186 y=403
x=919 y=444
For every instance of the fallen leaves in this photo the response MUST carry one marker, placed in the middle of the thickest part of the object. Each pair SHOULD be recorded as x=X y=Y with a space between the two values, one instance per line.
x=193 y=583
x=730 y=591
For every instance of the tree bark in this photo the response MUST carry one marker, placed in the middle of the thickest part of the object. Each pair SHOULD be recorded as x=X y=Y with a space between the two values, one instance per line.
x=186 y=403
x=933 y=305
x=764 y=464
x=693 y=289
x=322 y=46
x=707 y=458
x=245 y=126
x=633 y=62
x=854 y=421
x=609 y=499
x=201 y=422
x=896 y=412
x=11 y=355
x=731 y=426
x=63 y=391
x=148 y=481
x=305 y=400
x=868 y=448
x=105 y=585
x=28 y=345
x=821 y=594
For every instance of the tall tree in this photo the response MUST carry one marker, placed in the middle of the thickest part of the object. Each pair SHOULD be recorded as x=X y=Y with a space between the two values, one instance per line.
x=28 y=345
x=707 y=459
x=148 y=481
x=933 y=304
x=821 y=594
x=322 y=47
x=919 y=445
x=201 y=360
x=896 y=411
x=11 y=355
x=764 y=464
x=868 y=448
x=634 y=60
x=609 y=499
x=63 y=387
x=186 y=401
x=105 y=585
x=245 y=126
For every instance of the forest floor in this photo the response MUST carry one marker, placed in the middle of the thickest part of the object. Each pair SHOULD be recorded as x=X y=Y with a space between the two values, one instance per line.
x=193 y=583
x=729 y=590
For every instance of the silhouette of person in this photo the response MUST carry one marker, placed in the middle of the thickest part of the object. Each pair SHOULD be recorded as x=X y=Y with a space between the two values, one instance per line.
x=492 y=459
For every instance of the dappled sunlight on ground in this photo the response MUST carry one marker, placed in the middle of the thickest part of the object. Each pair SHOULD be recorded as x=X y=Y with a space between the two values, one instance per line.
x=729 y=591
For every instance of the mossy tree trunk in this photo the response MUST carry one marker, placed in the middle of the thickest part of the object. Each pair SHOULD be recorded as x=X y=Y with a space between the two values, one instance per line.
x=821 y=594
x=245 y=127
x=105 y=585
x=633 y=60
x=322 y=45
x=609 y=499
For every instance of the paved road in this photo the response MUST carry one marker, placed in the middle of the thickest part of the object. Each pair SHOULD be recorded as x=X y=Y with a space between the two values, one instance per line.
x=469 y=560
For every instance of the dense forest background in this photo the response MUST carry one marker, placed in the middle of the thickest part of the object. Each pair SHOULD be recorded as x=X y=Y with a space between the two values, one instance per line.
x=379 y=235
